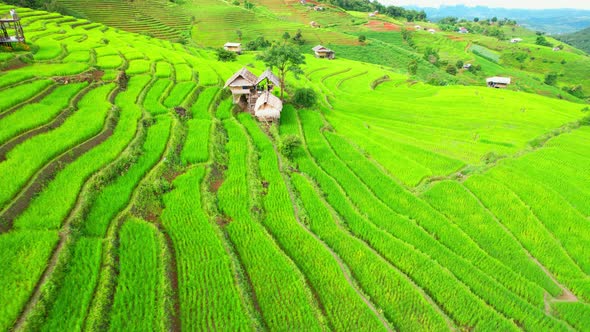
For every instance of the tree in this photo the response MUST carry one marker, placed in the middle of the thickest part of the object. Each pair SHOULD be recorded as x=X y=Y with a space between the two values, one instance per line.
x=551 y=79
x=494 y=19
x=413 y=67
x=541 y=40
x=476 y=19
x=288 y=145
x=239 y=33
x=460 y=64
x=225 y=55
x=284 y=58
x=452 y=69
x=362 y=38
x=298 y=39
x=305 y=97
x=286 y=36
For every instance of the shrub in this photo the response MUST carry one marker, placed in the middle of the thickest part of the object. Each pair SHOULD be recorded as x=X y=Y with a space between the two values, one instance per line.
x=586 y=109
x=288 y=145
x=258 y=43
x=551 y=79
x=225 y=55
x=585 y=121
x=451 y=69
x=460 y=64
x=413 y=67
x=362 y=38
x=305 y=97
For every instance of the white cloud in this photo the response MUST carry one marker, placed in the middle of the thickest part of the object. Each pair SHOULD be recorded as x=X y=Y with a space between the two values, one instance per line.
x=527 y=4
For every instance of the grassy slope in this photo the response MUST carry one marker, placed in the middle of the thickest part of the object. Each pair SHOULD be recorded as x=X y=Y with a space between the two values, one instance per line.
x=366 y=158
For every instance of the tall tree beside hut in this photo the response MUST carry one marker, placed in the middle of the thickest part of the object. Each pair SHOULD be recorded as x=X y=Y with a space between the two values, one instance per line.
x=285 y=58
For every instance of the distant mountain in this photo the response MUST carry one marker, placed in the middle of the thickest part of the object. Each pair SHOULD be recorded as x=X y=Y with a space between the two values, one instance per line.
x=552 y=21
x=580 y=39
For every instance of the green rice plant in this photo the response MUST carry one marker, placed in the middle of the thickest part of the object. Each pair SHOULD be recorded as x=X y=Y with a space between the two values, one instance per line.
x=454 y=239
x=88 y=121
x=114 y=197
x=24 y=257
x=196 y=147
x=163 y=69
x=80 y=56
x=48 y=49
x=155 y=95
x=526 y=227
x=69 y=307
x=35 y=114
x=559 y=217
x=294 y=308
x=62 y=191
x=464 y=209
x=203 y=266
x=376 y=276
x=225 y=109
x=109 y=61
x=139 y=300
x=179 y=93
x=200 y=109
x=139 y=67
x=491 y=290
x=485 y=53
x=577 y=314
x=345 y=310
x=183 y=72
x=42 y=70
x=21 y=93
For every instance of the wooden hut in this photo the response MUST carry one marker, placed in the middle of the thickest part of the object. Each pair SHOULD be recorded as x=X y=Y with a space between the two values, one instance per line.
x=233 y=47
x=498 y=82
x=11 y=30
x=323 y=52
x=268 y=107
x=267 y=81
x=242 y=83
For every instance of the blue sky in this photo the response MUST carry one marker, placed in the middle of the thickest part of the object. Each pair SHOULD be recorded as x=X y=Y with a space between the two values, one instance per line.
x=529 y=4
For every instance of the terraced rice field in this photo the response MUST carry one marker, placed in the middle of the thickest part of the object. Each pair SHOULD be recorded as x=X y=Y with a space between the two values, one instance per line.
x=407 y=207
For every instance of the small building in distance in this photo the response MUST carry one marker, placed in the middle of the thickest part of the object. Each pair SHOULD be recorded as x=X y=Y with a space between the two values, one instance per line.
x=515 y=40
x=268 y=107
x=467 y=66
x=498 y=82
x=323 y=52
x=11 y=30
x=233 y=47
x=314 y=24
x=556 y=49
x=463 y=30
x=267 y=81
x=417 y=27
x=432 y=31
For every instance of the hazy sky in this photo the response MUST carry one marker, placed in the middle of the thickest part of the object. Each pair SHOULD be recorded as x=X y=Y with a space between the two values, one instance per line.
x=529 y=4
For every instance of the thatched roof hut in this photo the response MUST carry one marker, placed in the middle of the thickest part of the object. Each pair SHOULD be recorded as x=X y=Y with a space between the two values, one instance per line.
x=241 y=83
x=233 y=47
x=324 y=52
x=498 y=82
x=270 y=78
x=268 y=107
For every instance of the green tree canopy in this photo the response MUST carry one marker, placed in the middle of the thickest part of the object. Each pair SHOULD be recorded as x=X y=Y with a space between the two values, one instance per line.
x=284 y=58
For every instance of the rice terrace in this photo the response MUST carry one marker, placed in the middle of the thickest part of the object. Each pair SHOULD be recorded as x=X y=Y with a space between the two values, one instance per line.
x=283 y=165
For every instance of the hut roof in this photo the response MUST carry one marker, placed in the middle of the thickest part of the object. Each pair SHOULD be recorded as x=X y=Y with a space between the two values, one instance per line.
x=268 y=106
x=500 y=80
x=321 y=48
x=232 y=44
x=245 y=74
x=270 y=76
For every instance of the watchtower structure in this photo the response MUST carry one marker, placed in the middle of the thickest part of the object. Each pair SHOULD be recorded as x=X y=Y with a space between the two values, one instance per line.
x=11 y=30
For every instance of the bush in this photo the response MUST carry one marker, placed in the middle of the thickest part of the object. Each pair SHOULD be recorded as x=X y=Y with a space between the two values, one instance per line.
x=551 y=79
x=362 y=38
x=585 y=121
x=460 y=64
x=451 y=69
x=305 y=97
x=289 y=144
x=413 y=67
x=225 y=55
x=258 y=43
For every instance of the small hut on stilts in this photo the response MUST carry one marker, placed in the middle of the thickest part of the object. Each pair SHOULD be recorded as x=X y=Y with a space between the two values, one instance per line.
x=11 y=30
